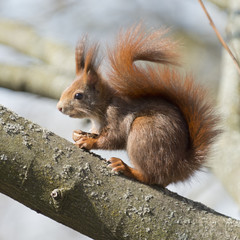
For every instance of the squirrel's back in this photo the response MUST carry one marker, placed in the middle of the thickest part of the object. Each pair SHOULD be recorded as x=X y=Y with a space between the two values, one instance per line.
x=132 y=80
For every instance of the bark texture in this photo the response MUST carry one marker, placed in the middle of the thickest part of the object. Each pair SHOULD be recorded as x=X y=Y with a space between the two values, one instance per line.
x=76 y=188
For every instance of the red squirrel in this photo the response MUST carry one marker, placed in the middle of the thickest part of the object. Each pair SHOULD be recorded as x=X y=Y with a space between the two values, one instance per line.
x=163 y=120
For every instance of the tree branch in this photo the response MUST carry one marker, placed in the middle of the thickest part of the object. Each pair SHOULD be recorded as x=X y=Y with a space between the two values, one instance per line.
x=227 y=165
x=223 y=4
x=39 y=79
x=224 y=44
x=32 y=44
x=56 y=61
x=76 y=188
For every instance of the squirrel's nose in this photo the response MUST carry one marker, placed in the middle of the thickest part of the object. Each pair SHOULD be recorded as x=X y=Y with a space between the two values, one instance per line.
x=59 y=107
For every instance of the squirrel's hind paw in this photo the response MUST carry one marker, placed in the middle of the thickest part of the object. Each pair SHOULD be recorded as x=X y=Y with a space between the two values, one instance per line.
x=118 y=165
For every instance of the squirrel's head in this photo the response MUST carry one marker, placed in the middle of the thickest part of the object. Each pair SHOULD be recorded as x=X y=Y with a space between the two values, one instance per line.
x=84 y=98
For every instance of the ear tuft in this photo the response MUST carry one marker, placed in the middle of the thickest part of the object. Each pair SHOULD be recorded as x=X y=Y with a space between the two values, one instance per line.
x=91 y=61
x=80 y=53
x=86 y=57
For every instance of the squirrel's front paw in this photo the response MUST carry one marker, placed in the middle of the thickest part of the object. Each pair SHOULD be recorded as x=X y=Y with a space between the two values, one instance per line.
x=86 y=142
x=78 y=134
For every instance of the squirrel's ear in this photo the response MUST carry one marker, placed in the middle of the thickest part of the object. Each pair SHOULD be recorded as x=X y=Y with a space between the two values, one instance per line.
x=80 y=53
x=86 y=57
x=91 y=65
x=92 y=78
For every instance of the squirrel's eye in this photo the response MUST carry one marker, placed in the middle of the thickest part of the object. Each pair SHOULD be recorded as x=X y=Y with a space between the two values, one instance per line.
x=78 y=96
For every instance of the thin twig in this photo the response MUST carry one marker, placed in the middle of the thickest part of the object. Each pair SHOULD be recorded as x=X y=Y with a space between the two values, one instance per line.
x=219 y=36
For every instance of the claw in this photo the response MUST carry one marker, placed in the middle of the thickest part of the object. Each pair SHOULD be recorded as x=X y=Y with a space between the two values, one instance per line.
x=77 y=135
x=86 y=142
x=118 y=165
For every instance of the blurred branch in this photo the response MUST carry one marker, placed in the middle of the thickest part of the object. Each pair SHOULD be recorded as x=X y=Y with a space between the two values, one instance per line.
x=220 y=37
x=227 y=165
x=223 y=4
x=60 y=6
x=39 y=79
x=74 y=187
x=47 y=79
x=24 y=39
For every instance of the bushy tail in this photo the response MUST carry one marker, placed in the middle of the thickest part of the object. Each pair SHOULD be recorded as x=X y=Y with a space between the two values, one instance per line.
x=133 y=81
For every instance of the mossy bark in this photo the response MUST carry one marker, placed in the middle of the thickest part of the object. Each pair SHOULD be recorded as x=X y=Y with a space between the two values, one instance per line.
x=76 y=188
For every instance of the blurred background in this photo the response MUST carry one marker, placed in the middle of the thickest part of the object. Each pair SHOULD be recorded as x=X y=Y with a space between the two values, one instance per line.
x=37 y=42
